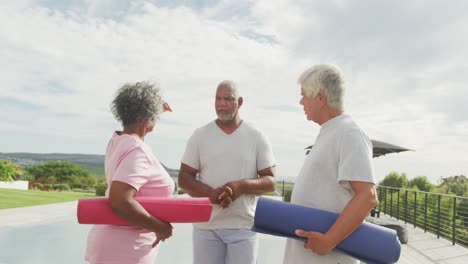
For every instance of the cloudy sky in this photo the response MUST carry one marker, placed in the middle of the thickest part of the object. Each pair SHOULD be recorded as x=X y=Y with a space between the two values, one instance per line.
x=406 y=65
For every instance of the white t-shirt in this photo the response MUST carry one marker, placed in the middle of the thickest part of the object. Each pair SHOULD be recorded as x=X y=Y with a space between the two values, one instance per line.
x=342 y=153
x=221 y=158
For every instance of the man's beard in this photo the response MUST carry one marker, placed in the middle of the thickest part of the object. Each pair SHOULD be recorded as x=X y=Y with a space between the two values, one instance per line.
x=225 y=117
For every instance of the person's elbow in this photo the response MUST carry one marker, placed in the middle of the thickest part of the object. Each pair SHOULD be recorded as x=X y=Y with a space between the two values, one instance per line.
x=366 y=194
x=182 y=180
x=373 y=202
x=118 y=204
x=268 y=179
x=120 y=196
x=372 y=199
x=186 y=176
x=270 y=184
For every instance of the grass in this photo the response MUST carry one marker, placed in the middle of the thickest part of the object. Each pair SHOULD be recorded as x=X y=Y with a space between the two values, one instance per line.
x=288 y=186
x=10 y=198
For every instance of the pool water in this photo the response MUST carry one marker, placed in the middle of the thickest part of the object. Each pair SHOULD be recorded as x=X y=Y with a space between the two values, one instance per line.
x=64 y=243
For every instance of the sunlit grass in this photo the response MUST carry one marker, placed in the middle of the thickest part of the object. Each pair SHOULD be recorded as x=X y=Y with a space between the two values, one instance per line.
x=10 y=198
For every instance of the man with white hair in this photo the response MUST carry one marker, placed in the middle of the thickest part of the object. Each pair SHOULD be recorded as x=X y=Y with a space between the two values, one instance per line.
x=234 y=162
x=337 y=175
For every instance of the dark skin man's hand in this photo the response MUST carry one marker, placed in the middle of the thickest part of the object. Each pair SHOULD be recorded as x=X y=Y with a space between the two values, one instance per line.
x=226 y=197
x=217 y=195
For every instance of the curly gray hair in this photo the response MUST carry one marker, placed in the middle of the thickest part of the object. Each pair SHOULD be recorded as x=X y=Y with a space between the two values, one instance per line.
x=137 y=102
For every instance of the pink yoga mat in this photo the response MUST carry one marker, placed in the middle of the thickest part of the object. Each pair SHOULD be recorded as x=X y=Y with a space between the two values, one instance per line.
x=169 y=209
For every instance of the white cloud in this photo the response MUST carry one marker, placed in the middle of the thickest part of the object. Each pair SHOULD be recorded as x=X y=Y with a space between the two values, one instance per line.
x=404 y=63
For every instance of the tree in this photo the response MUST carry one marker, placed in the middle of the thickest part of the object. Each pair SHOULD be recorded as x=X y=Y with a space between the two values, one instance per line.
x=457 y=185
x=421 y=183
x=8 y=170
x=57 y=172
x=393 y=179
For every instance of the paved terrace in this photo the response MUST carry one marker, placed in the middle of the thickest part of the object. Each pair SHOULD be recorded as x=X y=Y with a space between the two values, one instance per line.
x=427 y=248
x=421 y=248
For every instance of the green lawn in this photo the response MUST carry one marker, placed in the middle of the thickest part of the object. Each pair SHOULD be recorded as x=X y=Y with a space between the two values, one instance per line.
x=10 y=198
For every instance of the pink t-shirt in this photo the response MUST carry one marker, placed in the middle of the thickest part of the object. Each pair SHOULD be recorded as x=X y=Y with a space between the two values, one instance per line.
x=130 y=160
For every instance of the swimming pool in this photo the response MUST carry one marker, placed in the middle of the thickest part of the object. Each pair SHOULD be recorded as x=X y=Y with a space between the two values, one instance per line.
x=64 y=241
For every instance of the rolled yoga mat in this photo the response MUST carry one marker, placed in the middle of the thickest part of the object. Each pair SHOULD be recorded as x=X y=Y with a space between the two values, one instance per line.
x=369 y=243
x=168 y=209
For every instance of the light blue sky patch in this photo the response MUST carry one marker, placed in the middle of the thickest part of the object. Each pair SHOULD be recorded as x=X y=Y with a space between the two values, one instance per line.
x=19 y=104
x=51 y=87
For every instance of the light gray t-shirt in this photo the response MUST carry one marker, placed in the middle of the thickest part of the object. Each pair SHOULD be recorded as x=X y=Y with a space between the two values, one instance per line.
x=221 y=158
x=342 y=153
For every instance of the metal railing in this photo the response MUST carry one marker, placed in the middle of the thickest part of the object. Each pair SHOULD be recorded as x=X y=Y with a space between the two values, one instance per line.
x=443 y=215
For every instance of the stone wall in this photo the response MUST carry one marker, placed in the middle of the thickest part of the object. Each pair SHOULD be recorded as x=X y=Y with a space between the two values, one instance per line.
x=19 y=185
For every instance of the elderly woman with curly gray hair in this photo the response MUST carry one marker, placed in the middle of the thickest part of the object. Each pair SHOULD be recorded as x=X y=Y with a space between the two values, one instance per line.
x=132 y=170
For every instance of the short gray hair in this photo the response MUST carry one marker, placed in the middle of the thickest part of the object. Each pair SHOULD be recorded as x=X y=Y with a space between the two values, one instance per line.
x=137 y=102
x=327 y=78
x=230 y=84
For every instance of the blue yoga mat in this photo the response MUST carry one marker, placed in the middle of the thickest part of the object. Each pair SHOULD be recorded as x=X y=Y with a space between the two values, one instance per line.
x=372 y=244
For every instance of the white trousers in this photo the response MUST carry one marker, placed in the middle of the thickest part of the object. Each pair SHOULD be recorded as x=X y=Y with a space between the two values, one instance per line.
x=225 y=246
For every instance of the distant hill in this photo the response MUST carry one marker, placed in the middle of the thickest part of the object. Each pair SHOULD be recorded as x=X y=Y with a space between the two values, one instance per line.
x=94 y=164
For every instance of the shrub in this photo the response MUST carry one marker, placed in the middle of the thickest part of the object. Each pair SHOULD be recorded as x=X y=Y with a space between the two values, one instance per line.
x=83 y=190
x=101 y=189
x=61 y=187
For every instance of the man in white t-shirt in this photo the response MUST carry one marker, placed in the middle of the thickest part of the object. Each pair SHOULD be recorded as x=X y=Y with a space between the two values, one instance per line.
x=337 y=174
x=235 y=163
